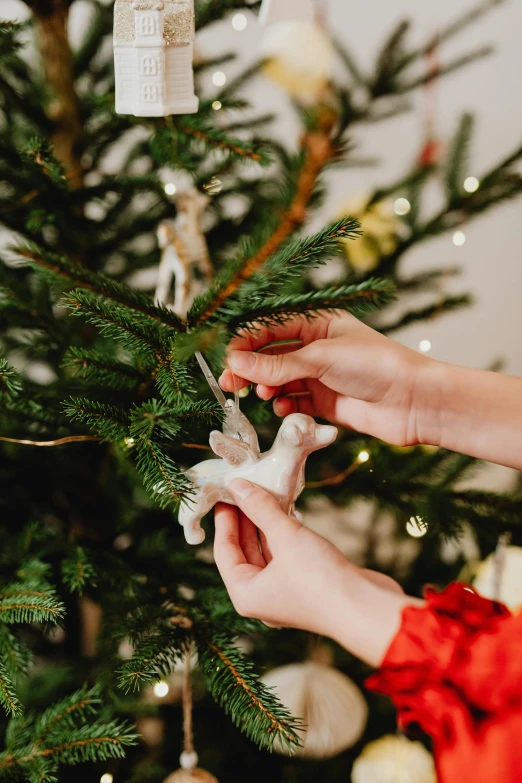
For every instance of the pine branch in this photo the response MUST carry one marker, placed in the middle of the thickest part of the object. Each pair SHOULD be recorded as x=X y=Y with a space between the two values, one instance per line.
x=358 y=299
x=10 y=381
x=22 y=607
x=174 y=144
x=59 y=268
x=109 y=422
x=254 y=708
x=8 y=696
x=164 y=480
x=458 y=157
x=102 y=370
x=77 y=571
x=318 y=152
x=154 y=657
x=97 y=742
x=446 y=305
x=136 y=333
x=64 y=713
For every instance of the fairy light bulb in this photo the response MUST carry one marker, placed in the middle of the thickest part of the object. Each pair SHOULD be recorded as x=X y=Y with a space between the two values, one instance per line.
x=402 y=206
x=106 y=778
x=425 y=346
x=129 y=442
x=416 y=527
x=239 y=22
x=217 y=105
x=471 y=184
x=161 y=689
x=170 y=189
x=219 y=78
x=459 y=238
x=363 y=456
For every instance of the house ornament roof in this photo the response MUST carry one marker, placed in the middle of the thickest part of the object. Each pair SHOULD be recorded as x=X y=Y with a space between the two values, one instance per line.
x=178 y=16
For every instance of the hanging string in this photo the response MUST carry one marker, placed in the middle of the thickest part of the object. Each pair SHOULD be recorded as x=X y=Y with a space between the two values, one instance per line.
x=189 y=758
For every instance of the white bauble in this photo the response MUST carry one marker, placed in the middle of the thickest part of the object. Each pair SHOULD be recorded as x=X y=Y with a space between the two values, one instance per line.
x=300 y=56
x=510 y=579
x=394 y=759
x=331 y=706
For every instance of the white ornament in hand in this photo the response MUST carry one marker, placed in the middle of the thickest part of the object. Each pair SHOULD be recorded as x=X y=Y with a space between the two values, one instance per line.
x=281 y=470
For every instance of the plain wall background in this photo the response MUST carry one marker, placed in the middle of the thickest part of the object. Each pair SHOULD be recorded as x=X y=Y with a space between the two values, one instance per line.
x=492 y=256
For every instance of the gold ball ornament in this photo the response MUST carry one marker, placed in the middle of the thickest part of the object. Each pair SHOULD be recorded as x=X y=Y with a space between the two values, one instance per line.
x=380 y=228
x=191 y=776
x=510 y=580
x=331 y=706
x=300 y=57
x=394 y=759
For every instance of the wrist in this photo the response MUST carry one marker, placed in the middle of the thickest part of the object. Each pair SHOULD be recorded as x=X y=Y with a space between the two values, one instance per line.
x=432 y=385
x=365 y=616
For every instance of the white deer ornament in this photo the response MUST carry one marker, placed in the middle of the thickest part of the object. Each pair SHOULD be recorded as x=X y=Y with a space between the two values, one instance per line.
x=281 y=470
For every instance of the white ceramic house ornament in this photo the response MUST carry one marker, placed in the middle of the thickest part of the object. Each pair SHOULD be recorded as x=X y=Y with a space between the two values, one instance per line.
x=281 y=470
x=153 y=52
x=286 y=10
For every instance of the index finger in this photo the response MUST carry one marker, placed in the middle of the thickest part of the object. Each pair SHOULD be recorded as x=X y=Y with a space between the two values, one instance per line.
x=260 y=336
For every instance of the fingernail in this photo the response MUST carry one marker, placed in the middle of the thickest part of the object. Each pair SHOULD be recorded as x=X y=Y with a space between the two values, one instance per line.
x=221 y=379
x=241 y=361
x=241 y=488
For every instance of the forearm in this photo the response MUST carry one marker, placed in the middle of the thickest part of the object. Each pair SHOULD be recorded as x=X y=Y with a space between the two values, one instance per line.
x=365 y=618
x=472 y=412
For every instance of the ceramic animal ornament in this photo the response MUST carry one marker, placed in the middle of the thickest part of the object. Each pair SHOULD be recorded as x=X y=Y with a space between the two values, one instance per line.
x=286 y=10
x=185 y=257
x=281 y=470
x=153 y=53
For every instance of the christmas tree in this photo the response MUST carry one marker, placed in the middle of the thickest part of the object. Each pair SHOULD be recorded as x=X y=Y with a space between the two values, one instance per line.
x=110 y=622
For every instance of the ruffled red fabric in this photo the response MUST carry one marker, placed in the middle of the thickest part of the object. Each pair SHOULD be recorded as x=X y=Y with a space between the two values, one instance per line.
x=455 y=669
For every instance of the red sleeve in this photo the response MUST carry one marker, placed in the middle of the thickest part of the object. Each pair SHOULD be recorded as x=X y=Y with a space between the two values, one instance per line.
x=455 y=669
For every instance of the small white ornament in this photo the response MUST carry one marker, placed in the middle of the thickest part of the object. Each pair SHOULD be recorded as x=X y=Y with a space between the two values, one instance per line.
x=189 y=760
x=184 y=253
x=394 y=759
x=508 y=584
x=331 y=706
x=280 y=471
x=286 y=10
x=153 y=53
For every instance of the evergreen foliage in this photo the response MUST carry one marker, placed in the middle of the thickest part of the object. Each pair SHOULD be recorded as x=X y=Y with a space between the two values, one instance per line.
x=94 y=453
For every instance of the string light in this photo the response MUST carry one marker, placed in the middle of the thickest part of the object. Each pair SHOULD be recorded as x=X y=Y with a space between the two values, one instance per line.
x=416 y=527
x=161 y=689
x=425 y=346
x=239 y=22
x=129 y=442
x=471 y=184
x=170 y=189
x=459 y=238
x=107 y=778
x=363 y=456
x=402 y=206
x=219 y=78
x=217 y=105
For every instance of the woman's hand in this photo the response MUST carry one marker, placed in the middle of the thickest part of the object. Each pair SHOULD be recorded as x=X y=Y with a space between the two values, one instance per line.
x=292 y=577
x=350 y=374
x=342 y=371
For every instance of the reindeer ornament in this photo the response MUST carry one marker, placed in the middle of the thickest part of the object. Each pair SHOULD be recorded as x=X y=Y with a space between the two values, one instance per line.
x=281 y=470
x=185 y=256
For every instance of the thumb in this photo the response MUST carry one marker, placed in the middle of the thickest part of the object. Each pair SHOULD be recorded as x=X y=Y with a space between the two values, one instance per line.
x=261 y=507
x=275 y=370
